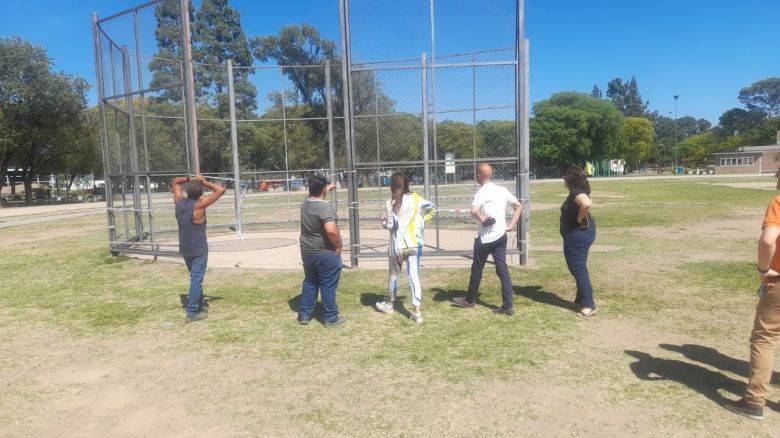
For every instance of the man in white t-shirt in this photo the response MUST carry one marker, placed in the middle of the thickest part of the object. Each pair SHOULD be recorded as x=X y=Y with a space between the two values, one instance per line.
x=489 y=208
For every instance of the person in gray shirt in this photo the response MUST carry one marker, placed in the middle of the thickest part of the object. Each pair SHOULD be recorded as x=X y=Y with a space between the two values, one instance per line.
x=320 y=243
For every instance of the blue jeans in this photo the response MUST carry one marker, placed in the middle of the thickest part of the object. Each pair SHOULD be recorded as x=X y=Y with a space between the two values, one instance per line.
x=481 y=252
x=321 y=274
x=576 y=245
x=197 y=267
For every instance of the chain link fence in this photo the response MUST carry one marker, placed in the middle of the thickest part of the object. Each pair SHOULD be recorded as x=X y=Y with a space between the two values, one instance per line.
x=263 y=130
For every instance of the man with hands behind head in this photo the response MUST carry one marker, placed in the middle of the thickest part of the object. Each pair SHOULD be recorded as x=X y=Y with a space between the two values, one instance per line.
x=191 y=217
x=489 y=208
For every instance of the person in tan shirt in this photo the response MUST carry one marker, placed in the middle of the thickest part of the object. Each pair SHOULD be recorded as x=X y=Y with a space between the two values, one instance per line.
x=766 y=327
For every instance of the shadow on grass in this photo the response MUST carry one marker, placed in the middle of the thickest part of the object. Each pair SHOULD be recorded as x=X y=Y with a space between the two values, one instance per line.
x=715 y=358
x=317 y=314
x=538 y=294
x=702 y=380
x=183 y=298
x=448 y=295
x=370 y=300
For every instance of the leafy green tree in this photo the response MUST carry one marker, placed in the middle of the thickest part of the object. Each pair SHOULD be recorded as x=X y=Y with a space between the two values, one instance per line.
x=626 y=97
x=218 y=36
x=738 y=120
x=639 y=139
x=572 y=126
x=43 y=110
x=763 y=96
x=166 y=64
x=596 y=92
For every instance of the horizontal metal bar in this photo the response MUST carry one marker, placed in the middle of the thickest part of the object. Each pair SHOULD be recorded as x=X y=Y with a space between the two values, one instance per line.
x=436 y=66
x=110 y=40
x=481 y=108
x=448 y=56
x=116 y=108
x=145 y=91
x=129 y=10
x=363 y=116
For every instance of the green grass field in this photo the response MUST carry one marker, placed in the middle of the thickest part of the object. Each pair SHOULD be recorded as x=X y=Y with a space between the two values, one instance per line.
x=96 y=345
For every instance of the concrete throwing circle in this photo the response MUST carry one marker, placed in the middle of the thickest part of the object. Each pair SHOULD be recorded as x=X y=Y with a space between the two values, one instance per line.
x=253 y=244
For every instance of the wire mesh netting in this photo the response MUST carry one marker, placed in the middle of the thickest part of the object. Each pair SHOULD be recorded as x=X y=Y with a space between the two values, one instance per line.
x=264 y=127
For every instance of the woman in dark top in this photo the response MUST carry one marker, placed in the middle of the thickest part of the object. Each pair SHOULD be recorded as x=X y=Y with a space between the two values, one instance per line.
x=578 y=230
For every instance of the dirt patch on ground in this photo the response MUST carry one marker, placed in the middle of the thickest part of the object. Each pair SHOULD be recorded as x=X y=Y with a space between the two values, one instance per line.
x=762 y=185
x=724 y=229
x=559 y=248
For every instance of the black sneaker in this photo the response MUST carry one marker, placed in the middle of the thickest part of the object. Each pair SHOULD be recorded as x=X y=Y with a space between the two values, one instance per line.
x=506 y=311
x=197 y=317
x=338 y=321
x=741 y=407
x=304 y=321
x=462 y=302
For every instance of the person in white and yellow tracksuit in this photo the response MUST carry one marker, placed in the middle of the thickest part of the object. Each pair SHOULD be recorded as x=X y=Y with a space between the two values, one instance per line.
x=405 y=216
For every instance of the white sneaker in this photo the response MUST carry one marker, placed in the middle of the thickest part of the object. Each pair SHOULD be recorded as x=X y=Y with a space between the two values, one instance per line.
x=384 y=307
x=417 y=317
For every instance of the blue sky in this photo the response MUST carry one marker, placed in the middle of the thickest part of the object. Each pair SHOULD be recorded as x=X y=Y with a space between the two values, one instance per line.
x=703 y=51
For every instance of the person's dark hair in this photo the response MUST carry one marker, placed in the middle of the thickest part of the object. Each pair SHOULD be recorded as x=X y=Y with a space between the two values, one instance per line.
x=194 y=189
x=317 y=184
x=576 y=178
x=399 y=186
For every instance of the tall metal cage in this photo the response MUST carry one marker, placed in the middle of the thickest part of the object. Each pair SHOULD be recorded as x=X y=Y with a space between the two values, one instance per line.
x=262 y=128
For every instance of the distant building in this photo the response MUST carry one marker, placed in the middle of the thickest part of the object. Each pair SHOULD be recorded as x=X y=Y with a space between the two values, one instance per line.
x=748 y=159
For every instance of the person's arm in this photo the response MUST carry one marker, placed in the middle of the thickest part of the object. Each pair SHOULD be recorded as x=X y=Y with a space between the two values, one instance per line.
x=176 y=187
x=584 y=202
x=767 y=245
x=518 y=208
x=388 y=217
x=216 y=192
x=334 y=235
x=476 y=208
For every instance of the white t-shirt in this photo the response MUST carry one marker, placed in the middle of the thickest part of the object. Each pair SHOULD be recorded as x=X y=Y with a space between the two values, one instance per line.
x=492 y=200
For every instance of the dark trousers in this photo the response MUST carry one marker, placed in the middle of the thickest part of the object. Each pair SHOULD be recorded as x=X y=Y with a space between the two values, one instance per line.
x=481 y=251
x=576 y=245
x=197 y=267
x=321 y=274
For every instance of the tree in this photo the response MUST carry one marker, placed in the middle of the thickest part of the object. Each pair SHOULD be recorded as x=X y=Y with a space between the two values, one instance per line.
x=738 y=120
x=639 y=139
x=572 y=126
x=166 y=63
x=762 y=96
x=217 y=37
x=83 y=156
x=596 y=92
x=43 y=110
x=626 y=97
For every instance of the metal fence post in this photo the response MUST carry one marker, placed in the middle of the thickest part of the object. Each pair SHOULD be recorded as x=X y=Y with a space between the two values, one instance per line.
x=234 y=145
x=139 y=68
x=133 y=145
x=346 y=72
x=433 y=110
x=189 y=88
x=103 y=134
x=521 y=123
x=331 y=151
x=286 y=155
x=426 y=157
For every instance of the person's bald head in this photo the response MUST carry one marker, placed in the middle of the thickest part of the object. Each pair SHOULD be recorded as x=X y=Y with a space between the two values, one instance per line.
x=484 y=173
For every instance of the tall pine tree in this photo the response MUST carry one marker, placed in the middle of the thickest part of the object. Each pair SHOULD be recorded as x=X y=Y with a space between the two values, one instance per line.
x=166 y=64
x=626 y=96
x=217 y=37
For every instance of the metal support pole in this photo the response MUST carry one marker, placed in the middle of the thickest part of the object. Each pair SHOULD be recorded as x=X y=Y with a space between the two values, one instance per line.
x=132 y=145
x=521 y=121
x=139 y=68
x=115 y=89
x=426 y=157
x=474 y=115
x=189 y=87
x=331 y=151
x=286 y=156
x=103 y=131
x=376 y=131
x=433 y=110
x=234 y=145
x=346 y=72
